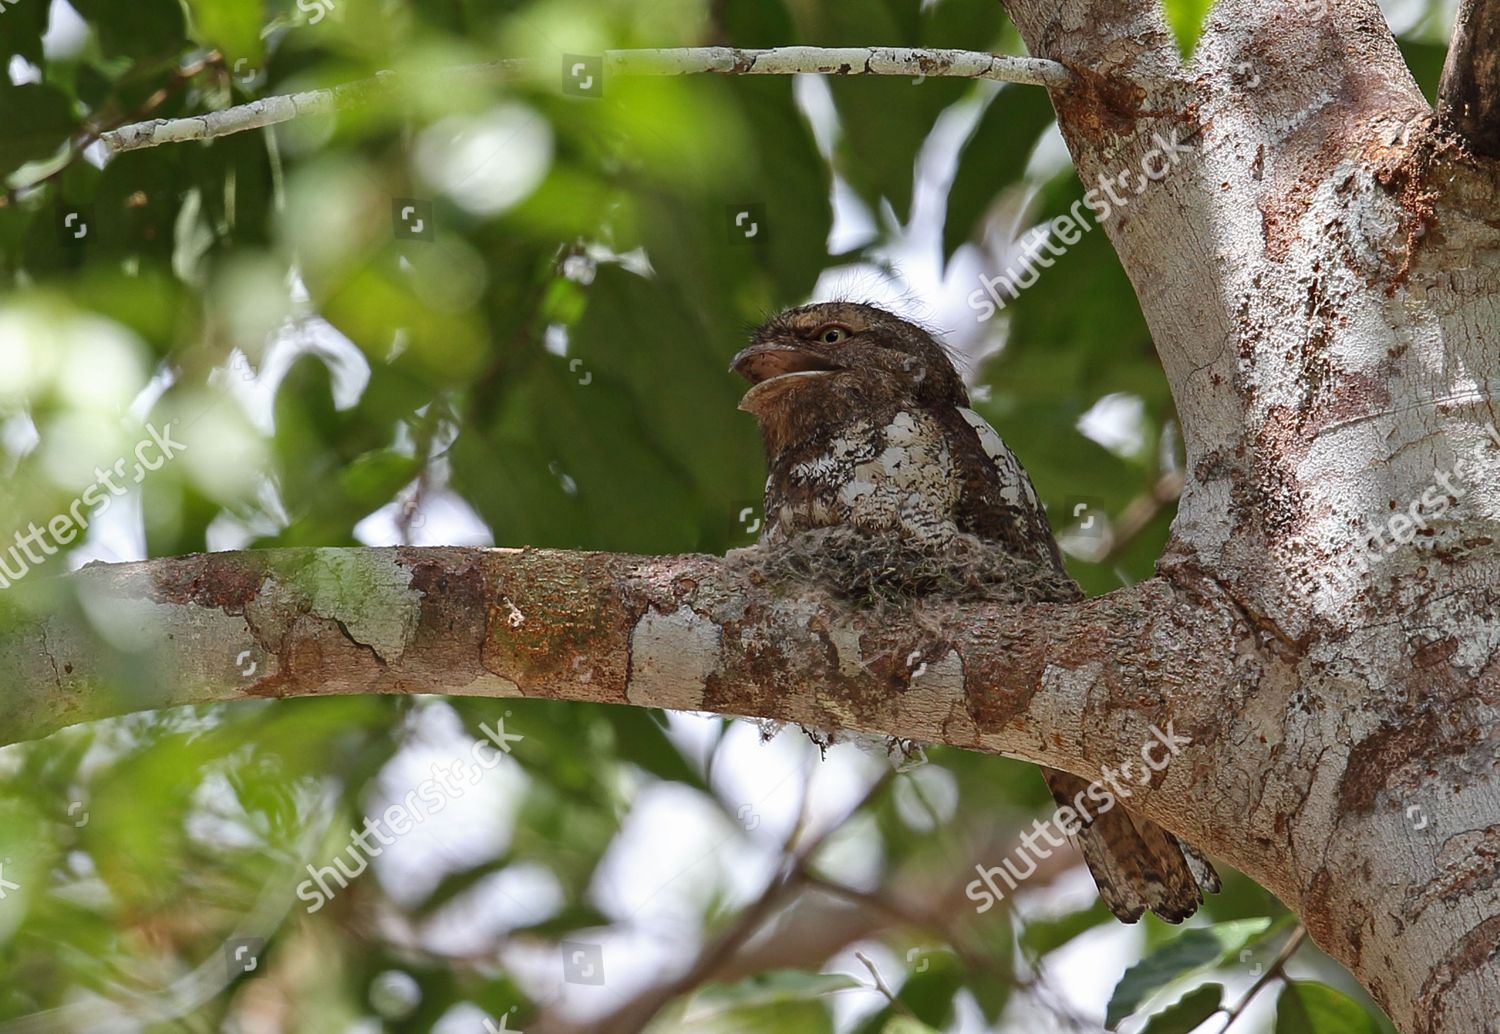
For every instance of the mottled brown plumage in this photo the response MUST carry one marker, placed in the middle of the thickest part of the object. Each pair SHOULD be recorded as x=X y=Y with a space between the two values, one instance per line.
x=869 y=436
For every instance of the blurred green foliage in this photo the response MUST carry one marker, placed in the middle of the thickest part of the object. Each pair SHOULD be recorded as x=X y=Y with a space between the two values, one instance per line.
x=550 y=351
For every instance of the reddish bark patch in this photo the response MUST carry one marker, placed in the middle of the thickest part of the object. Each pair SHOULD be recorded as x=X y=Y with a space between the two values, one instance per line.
x=1289 y=184
x=1336 y=924
x=1479 y=947
x=1406 y=171
x=1002 y=673
x=753 y=678
x=1097 y=106
x=224 y=582
x=585 y=609
x=452 y=620
x=1375 y=761
x=1468 y=864
x=1407 y=749
x=1273 y=500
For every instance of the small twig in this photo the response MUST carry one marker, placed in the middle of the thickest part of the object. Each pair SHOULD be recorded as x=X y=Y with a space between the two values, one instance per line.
x=974 y=957
x=639 y=1012
x=1272 y=972
x=1140 y=512
x=898 y=61
x=883 y=988
x=410 y=510
x=90 y=135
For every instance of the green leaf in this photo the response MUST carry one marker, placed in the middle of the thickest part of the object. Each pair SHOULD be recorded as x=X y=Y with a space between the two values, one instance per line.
x=906 y=1025
x=643 y=741
x=138 y=199
x=578 y=916
x=777 y=985
x=1310 y=1008
x=780 y=1018
x=233 y=175
x=141 y=29
x=233 y=26
x=1186 y=18
x=765 y=24
x=21 y=30
x=963 y=24
x=1044 y=936
x=1193 y=950
x=883 y=120
x=35 y=121
x=1425 y=60
x=1188 y=1012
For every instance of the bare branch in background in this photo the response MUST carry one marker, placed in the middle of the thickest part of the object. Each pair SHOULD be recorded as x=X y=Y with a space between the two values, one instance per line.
x=898 y=61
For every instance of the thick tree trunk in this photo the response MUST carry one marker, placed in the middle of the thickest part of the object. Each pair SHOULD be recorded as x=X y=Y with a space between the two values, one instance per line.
x=1321 y=273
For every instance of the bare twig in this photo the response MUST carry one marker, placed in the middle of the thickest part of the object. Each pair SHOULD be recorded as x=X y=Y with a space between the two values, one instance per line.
x=1140 y=512
x=639 y=1011
x=90 y=134
x=882 y=986
x=1272 y=972
x=899 y=61
x=1469 y=94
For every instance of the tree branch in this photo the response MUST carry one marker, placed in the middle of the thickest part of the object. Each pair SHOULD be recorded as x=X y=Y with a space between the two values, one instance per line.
x=899 y=61
x=1469 y=94
x=1073 y=686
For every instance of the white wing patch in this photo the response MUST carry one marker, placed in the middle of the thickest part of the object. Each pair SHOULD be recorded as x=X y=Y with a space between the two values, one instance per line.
x=989 y=438
x=902 y=430
x=908 y=482
x=1014 y=484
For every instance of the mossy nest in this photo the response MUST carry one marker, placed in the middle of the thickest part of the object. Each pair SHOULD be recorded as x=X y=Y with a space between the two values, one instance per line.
x=885 y=573
x=894 y=571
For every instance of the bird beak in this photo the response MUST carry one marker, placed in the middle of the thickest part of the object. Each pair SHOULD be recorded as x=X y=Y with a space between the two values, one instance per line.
x=770 y=367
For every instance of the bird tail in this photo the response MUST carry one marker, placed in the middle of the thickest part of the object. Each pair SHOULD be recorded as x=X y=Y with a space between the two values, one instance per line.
x=1137 y=864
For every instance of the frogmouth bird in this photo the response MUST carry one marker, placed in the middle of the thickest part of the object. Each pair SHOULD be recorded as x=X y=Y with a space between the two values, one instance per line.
x=869 y=436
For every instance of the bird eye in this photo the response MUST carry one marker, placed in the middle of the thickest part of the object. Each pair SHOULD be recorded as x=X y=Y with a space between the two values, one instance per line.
x=832 y=335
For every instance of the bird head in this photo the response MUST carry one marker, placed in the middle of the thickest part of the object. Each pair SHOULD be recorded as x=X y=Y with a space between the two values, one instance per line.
x=856 y=351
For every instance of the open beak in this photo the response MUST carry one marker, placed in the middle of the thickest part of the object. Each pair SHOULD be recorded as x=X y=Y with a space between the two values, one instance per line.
x=769 y=367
